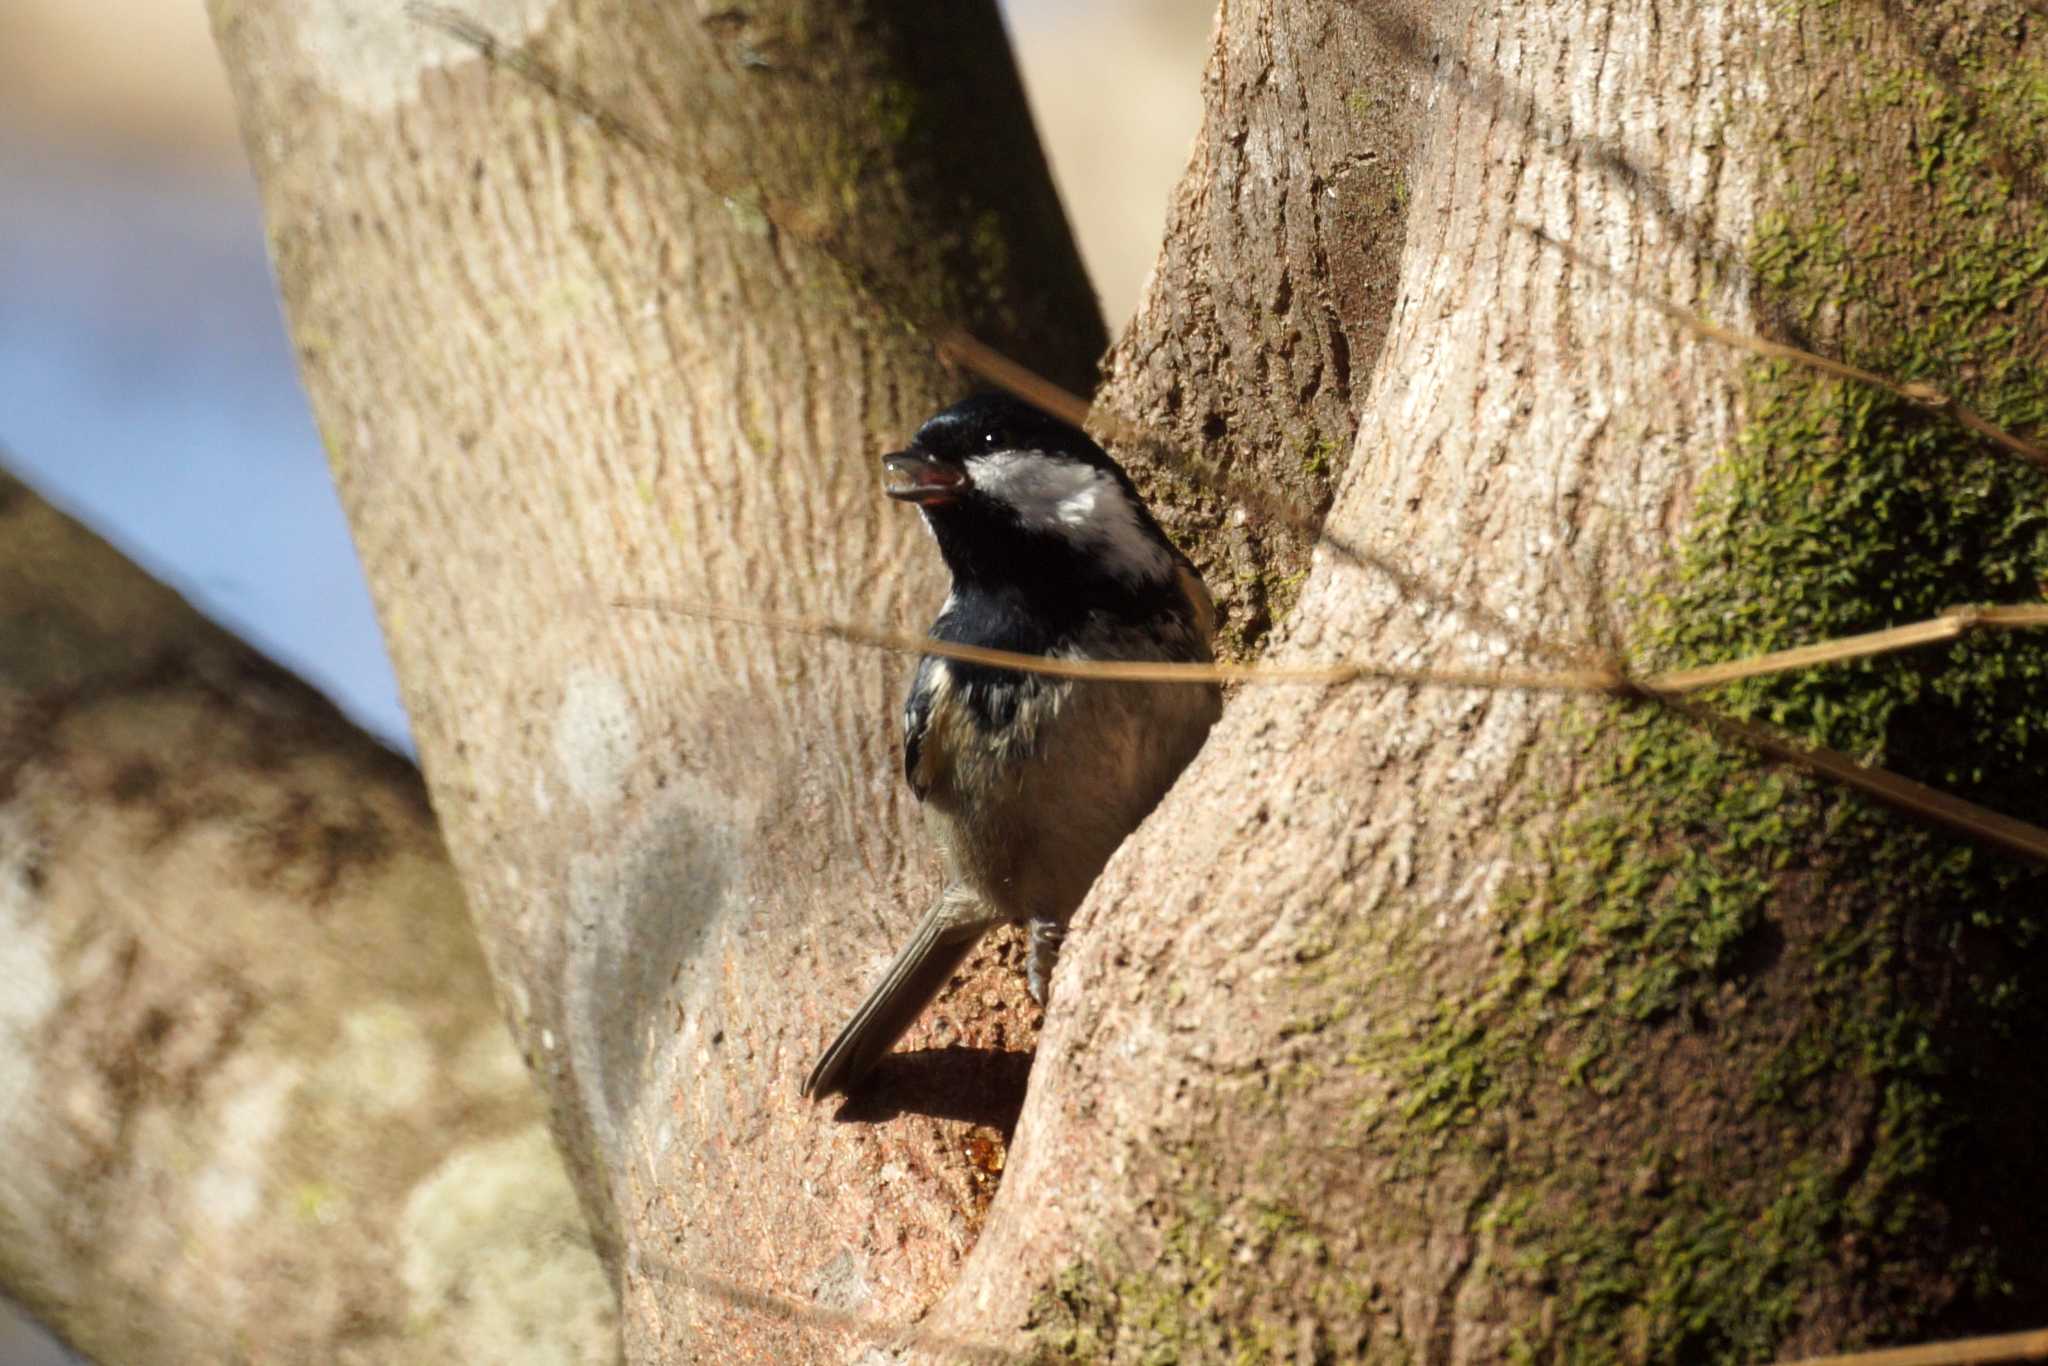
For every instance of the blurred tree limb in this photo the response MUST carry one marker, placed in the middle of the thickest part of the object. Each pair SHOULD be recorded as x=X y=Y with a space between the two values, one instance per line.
x=257 y=1101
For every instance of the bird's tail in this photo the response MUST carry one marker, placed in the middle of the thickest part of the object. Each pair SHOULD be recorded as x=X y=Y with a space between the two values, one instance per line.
x=949 y=929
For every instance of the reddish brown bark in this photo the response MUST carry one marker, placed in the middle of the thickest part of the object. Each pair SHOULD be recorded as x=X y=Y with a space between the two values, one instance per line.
x=1352 y=1055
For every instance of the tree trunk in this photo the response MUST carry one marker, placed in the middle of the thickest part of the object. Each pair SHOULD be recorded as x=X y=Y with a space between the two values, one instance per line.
x=1420 y=1022
x=256 y=1100
x=1452 y=1024
x=554 y=372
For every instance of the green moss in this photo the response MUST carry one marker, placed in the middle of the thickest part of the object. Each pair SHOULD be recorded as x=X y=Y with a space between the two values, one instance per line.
x=755 y=426
x=1697 y=915
x=1318 y=457
x=989 y=246
x=318 y=1202
x=1752 y=1050
x=893 y=111
x=1200 y=1301
x=744 y=209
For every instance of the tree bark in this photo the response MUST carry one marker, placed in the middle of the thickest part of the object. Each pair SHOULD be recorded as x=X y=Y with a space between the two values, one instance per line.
x=1450 y=1024
x=554 y=372
x=256 y=1099
x=1420 y=1023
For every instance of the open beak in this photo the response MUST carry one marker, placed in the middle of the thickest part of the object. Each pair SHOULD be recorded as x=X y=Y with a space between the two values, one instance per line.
x=916 y=478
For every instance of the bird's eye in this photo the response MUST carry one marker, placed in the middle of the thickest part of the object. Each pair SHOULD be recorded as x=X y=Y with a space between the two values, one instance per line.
x=988 y=439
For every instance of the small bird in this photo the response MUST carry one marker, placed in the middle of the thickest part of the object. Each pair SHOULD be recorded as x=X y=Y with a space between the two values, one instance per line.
x=1029 y=783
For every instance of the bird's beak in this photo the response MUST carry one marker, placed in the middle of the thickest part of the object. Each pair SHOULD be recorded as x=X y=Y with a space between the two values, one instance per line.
x=914 y=477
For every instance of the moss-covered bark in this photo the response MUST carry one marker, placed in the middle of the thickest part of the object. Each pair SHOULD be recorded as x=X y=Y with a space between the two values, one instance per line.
x=554 y=372
x=1421 y=1024
x=1732 y=1062
x=1803 y=1022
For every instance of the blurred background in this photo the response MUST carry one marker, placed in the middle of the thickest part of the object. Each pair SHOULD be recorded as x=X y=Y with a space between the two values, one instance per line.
x=146 y=386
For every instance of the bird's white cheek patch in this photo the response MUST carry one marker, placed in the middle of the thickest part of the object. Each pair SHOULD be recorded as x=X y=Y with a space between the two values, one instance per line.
x=1078 y=509
x=1071 y=498
x=1047 y=493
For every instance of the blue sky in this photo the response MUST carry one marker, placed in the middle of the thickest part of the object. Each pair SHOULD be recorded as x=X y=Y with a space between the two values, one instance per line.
x=146 y=387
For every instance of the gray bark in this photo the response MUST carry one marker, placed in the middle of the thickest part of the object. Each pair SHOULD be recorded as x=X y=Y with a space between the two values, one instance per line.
x=257 y=1102
x=1449 y=1024
x=1418 y=1023
x=554 y=372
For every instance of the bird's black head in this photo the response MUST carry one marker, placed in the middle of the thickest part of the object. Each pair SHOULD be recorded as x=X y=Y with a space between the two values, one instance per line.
x=1019 y=500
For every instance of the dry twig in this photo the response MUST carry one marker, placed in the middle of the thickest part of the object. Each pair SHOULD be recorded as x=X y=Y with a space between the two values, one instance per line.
x=1670 y=688
x=1914 y=392
x=2028 y=1346
x=1950 y=625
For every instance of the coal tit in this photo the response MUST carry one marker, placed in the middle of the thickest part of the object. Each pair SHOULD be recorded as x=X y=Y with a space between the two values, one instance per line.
x=1029 y=783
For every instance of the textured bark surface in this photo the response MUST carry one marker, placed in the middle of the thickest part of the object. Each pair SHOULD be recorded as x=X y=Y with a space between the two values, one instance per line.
x=552 y=372
x=256 y=1098
x=1445 y=1025
x=1270 y=298
x=1437 y=1024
